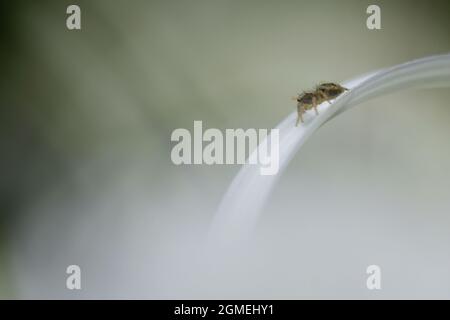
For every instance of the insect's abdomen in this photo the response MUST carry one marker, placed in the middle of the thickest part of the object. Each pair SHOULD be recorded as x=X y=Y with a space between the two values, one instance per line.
x=333 y=93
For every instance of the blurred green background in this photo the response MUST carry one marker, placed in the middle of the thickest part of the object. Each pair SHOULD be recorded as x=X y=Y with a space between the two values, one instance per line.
x=86 y=176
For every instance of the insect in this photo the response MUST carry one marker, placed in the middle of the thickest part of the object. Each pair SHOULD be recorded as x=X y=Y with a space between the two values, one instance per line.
x=311 y=99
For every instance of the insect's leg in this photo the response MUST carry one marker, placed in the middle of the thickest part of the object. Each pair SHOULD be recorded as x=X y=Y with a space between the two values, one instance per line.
x=299 y=118
x=322 y=97
x=300 y=111
x=314 y=104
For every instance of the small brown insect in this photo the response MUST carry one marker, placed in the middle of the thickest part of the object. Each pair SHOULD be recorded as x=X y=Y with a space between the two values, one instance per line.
x=310 y=100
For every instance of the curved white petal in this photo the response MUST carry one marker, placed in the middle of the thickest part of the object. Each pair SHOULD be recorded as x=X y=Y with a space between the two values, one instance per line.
x=239 y=209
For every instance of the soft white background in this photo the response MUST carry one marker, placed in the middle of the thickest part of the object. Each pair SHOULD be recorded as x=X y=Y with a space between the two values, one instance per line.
x=370 y=187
